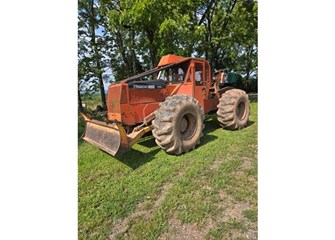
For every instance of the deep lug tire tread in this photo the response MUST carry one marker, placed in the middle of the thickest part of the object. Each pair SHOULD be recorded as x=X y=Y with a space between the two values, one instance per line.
x=166 y=124
x=226 y=113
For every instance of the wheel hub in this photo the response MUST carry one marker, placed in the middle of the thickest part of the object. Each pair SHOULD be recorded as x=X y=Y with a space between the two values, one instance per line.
x=187 y=126
x=240 y=110
x=183 y=124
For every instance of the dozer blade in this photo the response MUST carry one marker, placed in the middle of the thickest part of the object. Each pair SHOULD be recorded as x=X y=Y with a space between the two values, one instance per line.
x=111 y=138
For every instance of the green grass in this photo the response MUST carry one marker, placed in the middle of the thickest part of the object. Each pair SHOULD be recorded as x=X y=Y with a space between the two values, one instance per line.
x=146 y=194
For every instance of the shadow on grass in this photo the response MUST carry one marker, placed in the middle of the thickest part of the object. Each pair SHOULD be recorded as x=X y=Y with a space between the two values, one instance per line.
x=250 y=123
x=211 y=124
x=147 y=141
x=80 y=142
x=135 y=159
x=253 y=98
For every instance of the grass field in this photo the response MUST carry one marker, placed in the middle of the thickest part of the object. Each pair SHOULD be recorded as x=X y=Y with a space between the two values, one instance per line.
x=208 y=193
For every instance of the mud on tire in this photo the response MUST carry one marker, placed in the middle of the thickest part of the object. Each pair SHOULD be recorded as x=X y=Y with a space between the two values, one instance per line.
x=178 y=124
x=233 y=109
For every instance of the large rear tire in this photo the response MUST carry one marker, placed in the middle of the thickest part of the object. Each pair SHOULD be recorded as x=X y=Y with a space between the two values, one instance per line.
x=233 y=109
x=178 y=124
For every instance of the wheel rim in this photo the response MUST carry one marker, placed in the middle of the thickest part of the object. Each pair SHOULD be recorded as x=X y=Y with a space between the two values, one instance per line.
x=187 y=126
x=240 y=110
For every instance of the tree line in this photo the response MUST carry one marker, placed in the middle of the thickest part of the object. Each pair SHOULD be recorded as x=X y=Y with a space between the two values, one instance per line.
x=117 y=39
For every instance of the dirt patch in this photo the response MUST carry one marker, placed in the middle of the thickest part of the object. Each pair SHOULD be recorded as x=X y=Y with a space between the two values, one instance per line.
x=216 y=163
x=232 y=209
x=164 y=190
x=246 y=163
x=181 y=231
x=121 y=226
x=246 y=166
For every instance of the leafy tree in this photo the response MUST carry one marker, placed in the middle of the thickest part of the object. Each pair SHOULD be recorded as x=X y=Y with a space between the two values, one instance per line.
x=93 y=49
x=141 y=31
x=124 y=55
x=230 y=36
x=146 y=30
x=244 y=28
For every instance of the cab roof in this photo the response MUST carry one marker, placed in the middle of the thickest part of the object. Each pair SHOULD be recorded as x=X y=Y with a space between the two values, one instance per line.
x=168 y=59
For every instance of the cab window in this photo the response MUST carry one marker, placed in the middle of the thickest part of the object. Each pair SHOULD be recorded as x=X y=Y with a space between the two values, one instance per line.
x=198 y=72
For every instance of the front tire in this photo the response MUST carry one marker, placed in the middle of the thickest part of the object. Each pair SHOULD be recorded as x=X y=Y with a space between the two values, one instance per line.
x=233 y=109
x=178 y=124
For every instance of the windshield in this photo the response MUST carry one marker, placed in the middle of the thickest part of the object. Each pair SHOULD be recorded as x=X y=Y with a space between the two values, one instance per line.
x=173 y=73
